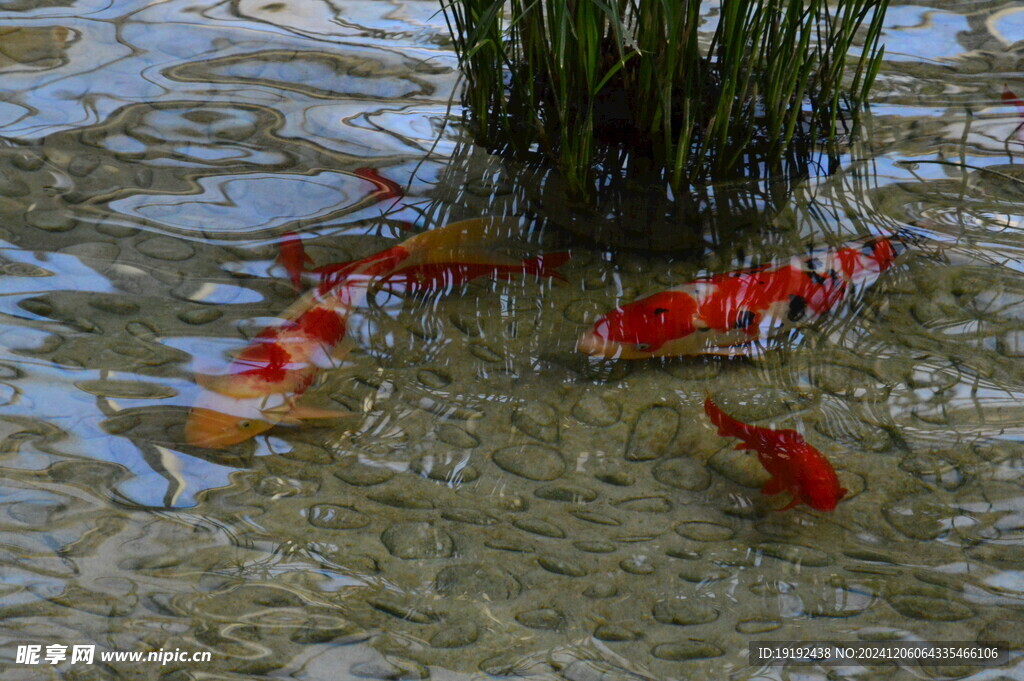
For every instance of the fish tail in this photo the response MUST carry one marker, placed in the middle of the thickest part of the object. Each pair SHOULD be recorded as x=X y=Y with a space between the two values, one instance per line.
x=546 y=265
x=730 y=427
x=379 y=264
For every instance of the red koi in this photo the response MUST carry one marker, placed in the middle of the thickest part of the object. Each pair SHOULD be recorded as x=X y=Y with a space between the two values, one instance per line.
x=292 y=256
x=263 y=384
x=734 y=313
x=794 y=465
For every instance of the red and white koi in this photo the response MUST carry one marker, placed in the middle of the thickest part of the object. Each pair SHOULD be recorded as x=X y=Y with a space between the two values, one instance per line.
x=736 y=312
x=264 y=382
x=794 y=465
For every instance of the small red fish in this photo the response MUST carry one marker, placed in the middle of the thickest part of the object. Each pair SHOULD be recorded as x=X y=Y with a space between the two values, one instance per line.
x=736 y=312
x=292 y=256
x=794 y=465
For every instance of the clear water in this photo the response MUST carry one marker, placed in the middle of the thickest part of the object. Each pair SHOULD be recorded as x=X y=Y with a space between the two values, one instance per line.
x=504 y=506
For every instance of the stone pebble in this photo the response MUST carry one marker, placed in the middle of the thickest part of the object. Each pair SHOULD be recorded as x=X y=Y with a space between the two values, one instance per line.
x=455 y=635
x=432 y=378
x=417 y=540
x=615 y=633
x=925 y=607
x=653 y=433
x=638 y=565
x=363 y=475
x=917 y=516
x=702 y=572
x=50 y=220
x=456 y=437
x=166 y=248
x=601 y=591
x=449 y=470
x=406 y=499
x=569 y=494
x=200 y=316
x=541 y=618
x=686 y=650
x=654 y=504
x=704 y=531
x=533 y=462
x=597 y=410
x=539 y=527
x=477 y=581
x=561 y=567
x=683 y=472
x=596 y=517
x=537 y=420
x=485 y=353
x=796 y=554
x=594 y=546
x=742 y=468
x=684 y=612
x=470 y=516
x=336 y=517
x=757 y=625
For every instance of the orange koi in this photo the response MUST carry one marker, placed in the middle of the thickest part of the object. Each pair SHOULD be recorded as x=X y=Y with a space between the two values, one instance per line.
x=264 y=382
x=736 y=312
x=292 y=256
x=794 y=465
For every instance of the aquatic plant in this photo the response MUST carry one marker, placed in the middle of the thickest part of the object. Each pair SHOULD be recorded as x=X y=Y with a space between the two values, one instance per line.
x=599 y=87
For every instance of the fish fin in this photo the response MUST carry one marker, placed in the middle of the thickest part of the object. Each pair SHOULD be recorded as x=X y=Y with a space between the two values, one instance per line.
x=546 y=265
x=728 y=426
x=773 y=486
x=788 y=506
x=458 y=235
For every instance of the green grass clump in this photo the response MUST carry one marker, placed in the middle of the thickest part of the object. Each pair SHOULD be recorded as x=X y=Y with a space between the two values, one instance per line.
x=596 y=84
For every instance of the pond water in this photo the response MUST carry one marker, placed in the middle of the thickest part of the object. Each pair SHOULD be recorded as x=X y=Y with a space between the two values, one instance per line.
x=502 y=506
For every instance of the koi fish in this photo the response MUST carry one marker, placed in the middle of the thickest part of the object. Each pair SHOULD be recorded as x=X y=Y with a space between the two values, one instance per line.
x=734 y=313
x=292 y=256
x=264 y=382
x=794 y=465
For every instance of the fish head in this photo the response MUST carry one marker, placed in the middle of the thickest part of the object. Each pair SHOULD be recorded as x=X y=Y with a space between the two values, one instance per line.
x=212 y=429
x=817 y=484
x=823 y=497
x=644 y=328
